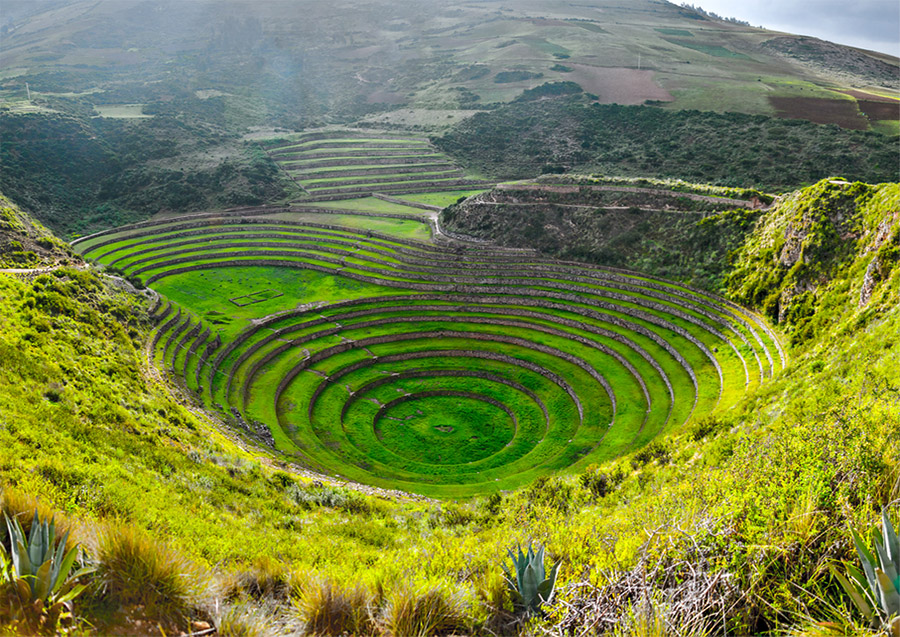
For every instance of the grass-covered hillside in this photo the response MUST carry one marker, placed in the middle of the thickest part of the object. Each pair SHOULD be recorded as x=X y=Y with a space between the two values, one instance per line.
x=726 y=526
x=573 y=133
x=25 y=243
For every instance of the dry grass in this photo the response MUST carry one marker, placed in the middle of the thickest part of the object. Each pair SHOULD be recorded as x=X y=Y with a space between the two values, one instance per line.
x=15 y=504
x=327 y=609
x=266 y=579
x=136 y=571
x=675 y=597
x=424 y=612
x=243 y=620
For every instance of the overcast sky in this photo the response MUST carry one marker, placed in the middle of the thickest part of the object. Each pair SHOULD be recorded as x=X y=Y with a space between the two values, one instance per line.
x=868 y=24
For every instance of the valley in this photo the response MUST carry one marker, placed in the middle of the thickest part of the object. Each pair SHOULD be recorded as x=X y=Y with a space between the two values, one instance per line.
x=330 y=321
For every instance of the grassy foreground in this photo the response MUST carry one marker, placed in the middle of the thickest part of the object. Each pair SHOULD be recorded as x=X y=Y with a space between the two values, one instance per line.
x=749 y=507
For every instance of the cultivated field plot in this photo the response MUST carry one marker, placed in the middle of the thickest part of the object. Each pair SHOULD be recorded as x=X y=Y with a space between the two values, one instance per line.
x=348 y=163
x=448 y=370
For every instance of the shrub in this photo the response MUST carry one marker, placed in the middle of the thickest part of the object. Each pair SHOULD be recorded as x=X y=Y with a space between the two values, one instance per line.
x=653 y=451
x=328 y=609
x=22 y=508
x=424 y=612
x=599 y=483
x=328 y=496
x=706 y=426
x=552 y=493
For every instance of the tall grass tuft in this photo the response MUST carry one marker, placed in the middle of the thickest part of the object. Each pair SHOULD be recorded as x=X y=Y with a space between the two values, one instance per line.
x=266 y=579
x=326 y=609
x=136 y=570
x=243 y=620
x=424 y=612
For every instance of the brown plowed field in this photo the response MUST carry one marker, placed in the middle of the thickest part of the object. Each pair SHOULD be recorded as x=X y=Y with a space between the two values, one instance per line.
x=880 y=110
x=618 y=85
x=844 y=113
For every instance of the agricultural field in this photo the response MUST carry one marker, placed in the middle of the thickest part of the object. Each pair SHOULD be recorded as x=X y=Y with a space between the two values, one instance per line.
x=335 y=164
x=434 y=367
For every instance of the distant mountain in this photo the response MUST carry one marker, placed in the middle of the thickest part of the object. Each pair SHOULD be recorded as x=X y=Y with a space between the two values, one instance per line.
x=243 y=62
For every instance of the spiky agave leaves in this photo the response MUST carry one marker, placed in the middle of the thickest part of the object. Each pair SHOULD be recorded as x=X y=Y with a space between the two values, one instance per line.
x=528 y=582
x=875 y=590
x=38 y=570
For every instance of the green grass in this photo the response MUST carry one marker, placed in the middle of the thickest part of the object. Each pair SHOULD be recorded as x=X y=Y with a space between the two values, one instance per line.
x=715 y=50
x=371 y=204
x=435 y=176
x=887 y=127
x=442 y=199
x=339 y=169
x=676 y=32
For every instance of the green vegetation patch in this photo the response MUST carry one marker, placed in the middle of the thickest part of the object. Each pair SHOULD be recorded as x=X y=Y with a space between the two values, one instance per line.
x=715 y=50
x=506 y=77
x=683 y=33
x=256 y=297
x=445 y=430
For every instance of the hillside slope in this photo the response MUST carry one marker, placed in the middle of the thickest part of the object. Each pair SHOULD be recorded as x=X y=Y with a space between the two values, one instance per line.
x=749 y=505
x=25 y=243
x=833 y=245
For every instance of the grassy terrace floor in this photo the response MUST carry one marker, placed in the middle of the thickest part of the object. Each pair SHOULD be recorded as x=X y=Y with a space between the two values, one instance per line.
x=361 y=349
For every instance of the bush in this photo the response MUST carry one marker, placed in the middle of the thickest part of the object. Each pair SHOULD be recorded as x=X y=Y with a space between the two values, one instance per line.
x=653 y=451
x=599 y=483
x=242 y=620
x=551 y=493
x=706 y=426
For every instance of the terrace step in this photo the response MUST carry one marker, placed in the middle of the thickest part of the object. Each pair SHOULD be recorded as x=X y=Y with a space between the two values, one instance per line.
x=355 y=152
x=390 y=169
x=388 y=179
x=365 y=160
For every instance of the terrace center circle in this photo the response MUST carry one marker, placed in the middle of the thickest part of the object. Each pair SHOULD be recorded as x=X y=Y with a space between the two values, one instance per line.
x=445 y=429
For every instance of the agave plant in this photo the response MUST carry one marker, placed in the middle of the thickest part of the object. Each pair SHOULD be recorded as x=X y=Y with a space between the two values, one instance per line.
x=875 y=590
x=527 y=581
x=38 y=571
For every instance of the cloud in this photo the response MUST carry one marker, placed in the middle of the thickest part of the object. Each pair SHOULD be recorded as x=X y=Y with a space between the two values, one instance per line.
x=870 y=24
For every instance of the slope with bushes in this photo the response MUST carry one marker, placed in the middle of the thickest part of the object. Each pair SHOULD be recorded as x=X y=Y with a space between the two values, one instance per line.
x=79 y=173
x=25 y=243
x=728 y=526
x=571 y=133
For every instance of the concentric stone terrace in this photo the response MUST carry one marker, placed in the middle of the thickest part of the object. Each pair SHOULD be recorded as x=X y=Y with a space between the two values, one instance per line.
x=443 y=370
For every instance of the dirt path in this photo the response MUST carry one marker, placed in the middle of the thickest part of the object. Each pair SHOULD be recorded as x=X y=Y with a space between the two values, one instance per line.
x=574 y=188
x=582 y=207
